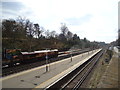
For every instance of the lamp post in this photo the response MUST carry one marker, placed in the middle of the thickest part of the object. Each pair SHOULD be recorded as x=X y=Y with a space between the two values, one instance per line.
x=13 y=38
x=46 y=61
x=71 y=55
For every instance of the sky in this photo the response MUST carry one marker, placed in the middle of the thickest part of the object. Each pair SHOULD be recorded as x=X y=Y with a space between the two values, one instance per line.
x=97 y=20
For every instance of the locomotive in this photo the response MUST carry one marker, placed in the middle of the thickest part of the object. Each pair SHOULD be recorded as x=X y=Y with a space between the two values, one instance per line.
x=13 y=56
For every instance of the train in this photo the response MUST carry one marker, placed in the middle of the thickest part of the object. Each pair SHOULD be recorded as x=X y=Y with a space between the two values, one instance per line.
x=15 y=56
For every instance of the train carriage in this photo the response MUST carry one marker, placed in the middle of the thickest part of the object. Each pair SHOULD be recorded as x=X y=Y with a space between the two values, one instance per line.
x=14 y=56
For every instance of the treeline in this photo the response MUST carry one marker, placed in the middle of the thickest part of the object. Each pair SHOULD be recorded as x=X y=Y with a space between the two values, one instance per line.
x=27 y=36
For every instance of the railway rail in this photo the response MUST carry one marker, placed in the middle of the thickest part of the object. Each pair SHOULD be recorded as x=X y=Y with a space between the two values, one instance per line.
x=22 y=67
x=77 y=77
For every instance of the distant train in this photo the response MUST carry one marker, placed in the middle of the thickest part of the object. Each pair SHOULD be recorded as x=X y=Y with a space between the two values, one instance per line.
x=14 y=56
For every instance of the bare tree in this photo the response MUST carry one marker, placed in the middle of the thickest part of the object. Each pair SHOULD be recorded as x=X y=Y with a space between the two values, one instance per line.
x=47 y=34
x=64 y=29
x=24 y=24
x=30 y=30
x=53 y=34
x=30 y=34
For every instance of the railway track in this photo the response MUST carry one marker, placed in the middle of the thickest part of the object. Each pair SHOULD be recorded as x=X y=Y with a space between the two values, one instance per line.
x=77 y=77
x=22 y=67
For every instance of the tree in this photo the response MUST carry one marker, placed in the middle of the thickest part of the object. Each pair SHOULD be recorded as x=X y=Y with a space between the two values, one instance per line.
x=23 y=24
x=9 y=31
x=38 y=30
x=76 y=38
x=47 y=34
x=64 y=29
x=85 y=40
x=8 y=26
x=53 y=34
x=22 y=33
x=69 y=35
x=62 y=37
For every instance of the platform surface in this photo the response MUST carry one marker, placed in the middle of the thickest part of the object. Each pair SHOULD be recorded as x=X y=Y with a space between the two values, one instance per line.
x=39 y=78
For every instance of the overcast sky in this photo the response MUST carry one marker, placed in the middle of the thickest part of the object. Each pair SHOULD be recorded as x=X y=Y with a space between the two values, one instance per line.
x=94 y=19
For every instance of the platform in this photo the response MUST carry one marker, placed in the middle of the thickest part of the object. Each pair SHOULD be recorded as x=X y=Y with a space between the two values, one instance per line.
x=39 y=78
